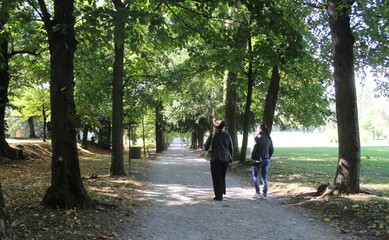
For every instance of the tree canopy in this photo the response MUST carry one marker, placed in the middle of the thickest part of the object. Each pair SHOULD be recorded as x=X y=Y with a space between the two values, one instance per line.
x=113 y=62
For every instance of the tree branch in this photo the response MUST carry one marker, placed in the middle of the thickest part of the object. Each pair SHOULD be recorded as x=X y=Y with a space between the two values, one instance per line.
x=45 y=13
x=35 y=8
x=171 y=10
x=34 y=53
x=159 y=4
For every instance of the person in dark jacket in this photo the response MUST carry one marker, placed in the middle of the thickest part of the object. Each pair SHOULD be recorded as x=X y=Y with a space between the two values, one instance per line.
x=222 y=152
x=261 y=152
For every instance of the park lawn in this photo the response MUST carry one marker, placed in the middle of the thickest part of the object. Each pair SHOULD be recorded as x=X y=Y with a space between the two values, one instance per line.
x=296 y=172
x=312 y=166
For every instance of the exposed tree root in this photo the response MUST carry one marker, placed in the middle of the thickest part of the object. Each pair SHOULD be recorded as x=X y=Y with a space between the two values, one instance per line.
x=326 y=190
x=9 y=152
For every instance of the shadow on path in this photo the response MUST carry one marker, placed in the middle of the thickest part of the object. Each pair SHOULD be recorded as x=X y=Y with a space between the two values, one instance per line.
x=178 y=205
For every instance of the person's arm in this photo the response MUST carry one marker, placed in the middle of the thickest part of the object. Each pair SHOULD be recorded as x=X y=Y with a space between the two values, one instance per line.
x=271 y=148
x=254 y=149
x=231 y=147
x=207 y=143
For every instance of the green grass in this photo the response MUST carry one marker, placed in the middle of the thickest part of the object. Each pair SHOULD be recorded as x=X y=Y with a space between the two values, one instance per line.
x=317 y=165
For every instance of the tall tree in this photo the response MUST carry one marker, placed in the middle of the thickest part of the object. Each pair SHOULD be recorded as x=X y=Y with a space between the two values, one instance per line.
x=231 y=110
x=159 y=128
x=246 y=116
x=117 y=161
x=271 y=99
x=348 y=170
x=5 y=149
x=66 y=189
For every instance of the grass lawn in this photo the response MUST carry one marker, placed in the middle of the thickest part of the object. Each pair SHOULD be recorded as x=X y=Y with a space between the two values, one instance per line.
x=311 y=166
x=296 y=172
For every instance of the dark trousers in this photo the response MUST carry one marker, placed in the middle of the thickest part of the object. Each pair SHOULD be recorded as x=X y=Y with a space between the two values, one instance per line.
x=218 y=170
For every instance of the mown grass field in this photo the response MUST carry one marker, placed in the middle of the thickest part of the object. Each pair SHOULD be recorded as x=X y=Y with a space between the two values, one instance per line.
x=317 y=165
x=296 y=173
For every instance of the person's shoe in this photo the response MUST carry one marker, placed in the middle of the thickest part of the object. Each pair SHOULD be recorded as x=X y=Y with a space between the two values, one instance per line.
x=264 y=196
x=217 y=199
x=257 y=195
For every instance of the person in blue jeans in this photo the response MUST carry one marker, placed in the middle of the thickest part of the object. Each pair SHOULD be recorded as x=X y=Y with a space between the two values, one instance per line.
x=261 y=152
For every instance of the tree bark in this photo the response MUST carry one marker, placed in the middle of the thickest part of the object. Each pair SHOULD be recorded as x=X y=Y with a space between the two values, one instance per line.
x=230 y=116
x=85 y=131
x=159 y=136
x=271 y=99
x=194 y=144
x=31 y=127
x=67 y=189
x=348 y=170
x=5 y=149
x=143 y=136
x=104 y=140
x=44 y=123
x=246 y=118
x=200 y=136
x=117 y=160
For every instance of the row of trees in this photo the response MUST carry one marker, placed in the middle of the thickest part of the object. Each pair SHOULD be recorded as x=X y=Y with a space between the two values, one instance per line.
x=109 y=62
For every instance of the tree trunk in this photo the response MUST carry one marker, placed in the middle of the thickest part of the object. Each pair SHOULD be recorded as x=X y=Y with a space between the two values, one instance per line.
x=6 y=231
x=143 y=136
x=85 y=131
x=246 y=118
x=200 y=136
x=5 y=227
x=5 y=149
x=271 y=99
x=117 y=160
x=104 y=140
x=67 y=189
x=193 y=144
x=44 y=123
x=159 y=136
x=230 y=116
x=31 y=127
x=348 y=170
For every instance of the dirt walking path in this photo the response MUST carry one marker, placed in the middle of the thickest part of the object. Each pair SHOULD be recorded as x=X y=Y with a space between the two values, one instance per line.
x=178 y=205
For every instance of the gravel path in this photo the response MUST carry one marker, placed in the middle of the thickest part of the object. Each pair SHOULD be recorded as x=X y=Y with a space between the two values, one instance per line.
x=178 y=205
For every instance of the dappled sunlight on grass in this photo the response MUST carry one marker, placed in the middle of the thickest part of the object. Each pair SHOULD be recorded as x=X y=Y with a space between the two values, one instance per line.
x=315 y=166
x=384 y=188
x=282 y=189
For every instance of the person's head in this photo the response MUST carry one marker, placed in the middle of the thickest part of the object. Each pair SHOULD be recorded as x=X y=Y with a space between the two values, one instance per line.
x=262 y=128
x=219 y=124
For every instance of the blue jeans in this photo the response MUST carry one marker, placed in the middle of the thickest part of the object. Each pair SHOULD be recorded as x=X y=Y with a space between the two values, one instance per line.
x=264 y=170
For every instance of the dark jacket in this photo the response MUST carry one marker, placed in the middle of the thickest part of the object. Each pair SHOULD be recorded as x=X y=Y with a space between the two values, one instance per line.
x=263 y=147
x=222 y=149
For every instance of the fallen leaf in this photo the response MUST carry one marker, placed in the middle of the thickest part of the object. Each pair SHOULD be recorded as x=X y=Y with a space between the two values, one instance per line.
x=335 y=216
